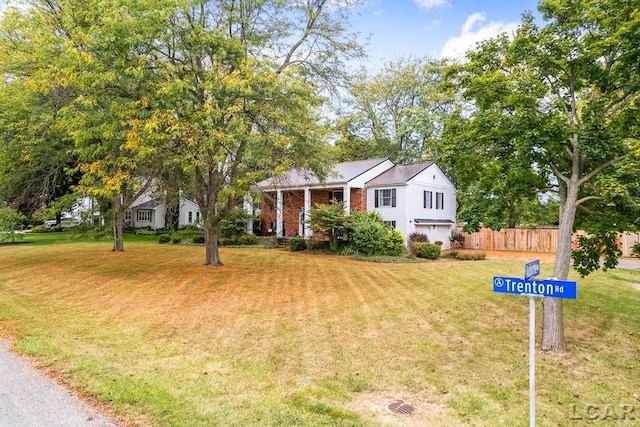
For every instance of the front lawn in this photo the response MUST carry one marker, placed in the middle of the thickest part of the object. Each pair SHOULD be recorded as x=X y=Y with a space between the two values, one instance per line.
x=276 y=338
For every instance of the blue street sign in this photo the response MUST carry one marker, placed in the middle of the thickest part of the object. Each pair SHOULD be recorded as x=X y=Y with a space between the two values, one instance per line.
x=542 y=288
x=531 y=269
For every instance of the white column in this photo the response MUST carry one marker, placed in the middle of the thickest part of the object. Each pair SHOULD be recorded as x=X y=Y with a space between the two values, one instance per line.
x=279 y=207
x=308 y=233
x=346 y=196
x=248 y=208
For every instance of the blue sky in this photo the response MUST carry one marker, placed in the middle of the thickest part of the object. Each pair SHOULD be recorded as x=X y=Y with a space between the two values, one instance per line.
x=433 y=28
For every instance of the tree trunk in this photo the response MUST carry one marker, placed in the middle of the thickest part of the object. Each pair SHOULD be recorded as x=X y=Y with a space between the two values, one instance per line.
x=552 y=316
x=118 y=217
x=211 y=239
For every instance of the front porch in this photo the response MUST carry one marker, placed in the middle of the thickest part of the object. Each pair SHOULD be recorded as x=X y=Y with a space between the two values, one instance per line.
x=284 y=212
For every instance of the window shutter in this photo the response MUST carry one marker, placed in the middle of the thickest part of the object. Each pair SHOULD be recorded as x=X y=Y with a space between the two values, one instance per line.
x=424 y=199
x=393 y=198
x=377 y=196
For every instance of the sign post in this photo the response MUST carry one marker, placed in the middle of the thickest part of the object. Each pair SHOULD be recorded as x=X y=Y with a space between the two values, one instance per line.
x=533 y=288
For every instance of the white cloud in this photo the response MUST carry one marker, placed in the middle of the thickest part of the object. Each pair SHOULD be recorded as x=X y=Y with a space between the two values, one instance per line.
x=472 y=33
x=429 y=4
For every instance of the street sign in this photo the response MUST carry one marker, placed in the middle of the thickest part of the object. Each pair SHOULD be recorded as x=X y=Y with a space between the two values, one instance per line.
x=531 y=269
x=540 y=288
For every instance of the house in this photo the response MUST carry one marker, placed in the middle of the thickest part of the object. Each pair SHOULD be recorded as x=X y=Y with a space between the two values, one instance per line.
x=412 y=198
x=416 y=198
x=150 y=212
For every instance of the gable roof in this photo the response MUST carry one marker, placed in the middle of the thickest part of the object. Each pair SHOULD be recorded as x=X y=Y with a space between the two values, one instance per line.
x=399 y=174
x=342 y=173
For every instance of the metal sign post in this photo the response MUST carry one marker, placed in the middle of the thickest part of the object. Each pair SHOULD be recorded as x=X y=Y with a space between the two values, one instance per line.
x=533 y=288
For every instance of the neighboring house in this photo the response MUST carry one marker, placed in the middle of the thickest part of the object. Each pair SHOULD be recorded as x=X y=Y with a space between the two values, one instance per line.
x=150 y=212
x=412 y=198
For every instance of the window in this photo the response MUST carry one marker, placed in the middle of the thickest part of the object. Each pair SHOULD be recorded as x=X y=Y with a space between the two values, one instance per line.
x=190 y=220
x=390 y=224
x=385 y=198
x=197 y=216
x=338 y=196
x=428 y=200
x=127 y=215
x=439 y=200
x=143 y=215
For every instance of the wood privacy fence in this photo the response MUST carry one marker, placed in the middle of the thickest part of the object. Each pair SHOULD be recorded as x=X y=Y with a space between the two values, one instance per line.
x=541 y=239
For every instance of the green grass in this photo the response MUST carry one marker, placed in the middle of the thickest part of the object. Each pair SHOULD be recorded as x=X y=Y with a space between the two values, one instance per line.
x=276 y=338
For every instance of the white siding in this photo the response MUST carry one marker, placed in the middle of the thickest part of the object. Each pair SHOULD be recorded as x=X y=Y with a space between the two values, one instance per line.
x=389 y=213
x=187 y=206
x=431 y=179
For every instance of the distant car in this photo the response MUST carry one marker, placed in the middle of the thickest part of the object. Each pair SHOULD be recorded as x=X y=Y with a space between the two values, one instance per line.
x=50 y=223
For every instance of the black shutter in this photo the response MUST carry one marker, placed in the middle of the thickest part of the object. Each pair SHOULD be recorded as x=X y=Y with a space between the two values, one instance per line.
x=393 y=197
x=376 y=198
x=424 y=199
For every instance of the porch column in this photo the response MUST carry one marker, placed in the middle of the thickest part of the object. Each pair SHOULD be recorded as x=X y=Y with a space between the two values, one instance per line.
x=346 y=196
x=248 y=208
x=279 y=207
x=308 y=233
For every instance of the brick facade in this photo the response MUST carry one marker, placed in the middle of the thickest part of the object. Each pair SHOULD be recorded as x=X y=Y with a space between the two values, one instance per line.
x=293 y=203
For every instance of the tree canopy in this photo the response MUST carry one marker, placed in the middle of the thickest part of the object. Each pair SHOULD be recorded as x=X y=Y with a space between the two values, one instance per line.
x=553 y=110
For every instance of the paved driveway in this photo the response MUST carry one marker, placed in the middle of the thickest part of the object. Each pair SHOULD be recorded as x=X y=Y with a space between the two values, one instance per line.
x=28 y=398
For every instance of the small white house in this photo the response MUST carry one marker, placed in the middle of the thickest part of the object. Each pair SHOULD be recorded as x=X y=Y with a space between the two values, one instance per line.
x=149 y=212
x=415 y=198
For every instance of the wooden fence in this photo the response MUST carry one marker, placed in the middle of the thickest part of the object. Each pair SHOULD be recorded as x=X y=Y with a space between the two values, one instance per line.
x=541 y=239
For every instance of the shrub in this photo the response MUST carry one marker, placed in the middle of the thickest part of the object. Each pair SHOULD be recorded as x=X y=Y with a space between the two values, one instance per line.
x=224 y=241
x=475 y=256
x=317 y=244
x=145 y=231
x=369 y=232
x=394 y=243
x=418 y=237
x=268 y=242
x=164 y=238
x=248 y=239
x=176 y=240
x=456 y=239
x=635 y=250
x=297 y=244
x=39 y=229
x=438 y=242
x=426 y=250
x=199 y=239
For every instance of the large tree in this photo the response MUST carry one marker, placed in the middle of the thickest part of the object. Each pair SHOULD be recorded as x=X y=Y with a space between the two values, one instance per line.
x=240 y=95
x=557 y=107
x=396 y=112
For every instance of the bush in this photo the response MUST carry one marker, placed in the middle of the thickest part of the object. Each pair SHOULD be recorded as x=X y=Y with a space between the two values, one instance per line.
x=297 y=244
x=176 y=240
x=394 y=243
x=224 y=241
x=248 y=239
x=456 y=239
x=317 y=244
x=164 y=238
x=418 y=237
x=39 y=229
x=635 y=250
x=369 y=232
x=475 y=256
x=426 y=250
x=199 y=239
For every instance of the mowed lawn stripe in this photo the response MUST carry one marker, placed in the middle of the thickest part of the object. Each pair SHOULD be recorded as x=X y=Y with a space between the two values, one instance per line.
x=280 y=338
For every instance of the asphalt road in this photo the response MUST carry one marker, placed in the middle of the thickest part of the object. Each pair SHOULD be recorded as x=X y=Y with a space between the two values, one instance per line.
x=28 y=398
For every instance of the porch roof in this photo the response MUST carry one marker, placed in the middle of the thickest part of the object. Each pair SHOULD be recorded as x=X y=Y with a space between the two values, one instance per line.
x=301 y=177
